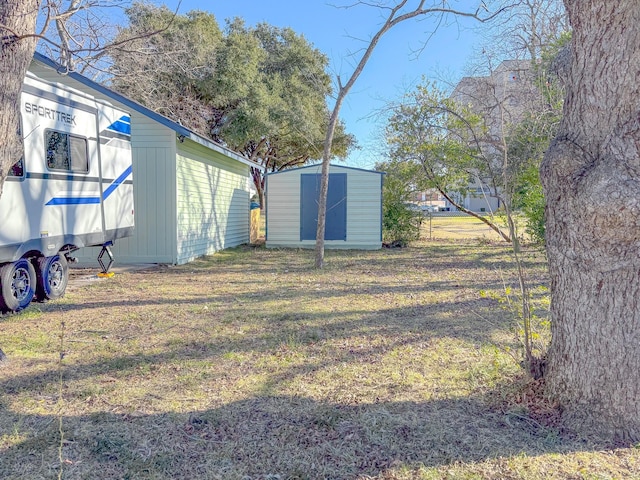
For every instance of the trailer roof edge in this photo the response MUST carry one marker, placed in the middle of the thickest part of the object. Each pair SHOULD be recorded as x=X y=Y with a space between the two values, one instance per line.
x=181 y=130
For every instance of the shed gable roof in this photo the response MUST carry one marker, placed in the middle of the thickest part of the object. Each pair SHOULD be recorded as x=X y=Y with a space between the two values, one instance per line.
x=319 y=165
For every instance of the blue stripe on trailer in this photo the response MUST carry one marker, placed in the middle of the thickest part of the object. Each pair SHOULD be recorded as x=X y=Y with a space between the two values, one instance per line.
x=122 y=125
x=92 y=200
x=117 y=182
x=73 y=201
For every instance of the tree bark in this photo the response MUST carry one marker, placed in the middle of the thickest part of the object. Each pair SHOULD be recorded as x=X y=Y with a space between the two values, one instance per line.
x=324 y=182
x=17 y=19
x=591 y=178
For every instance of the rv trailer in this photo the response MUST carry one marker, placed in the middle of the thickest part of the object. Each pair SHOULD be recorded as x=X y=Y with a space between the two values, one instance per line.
x=73 y=188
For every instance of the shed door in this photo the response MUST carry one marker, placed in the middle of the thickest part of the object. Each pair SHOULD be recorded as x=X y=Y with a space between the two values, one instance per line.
x=336 y=221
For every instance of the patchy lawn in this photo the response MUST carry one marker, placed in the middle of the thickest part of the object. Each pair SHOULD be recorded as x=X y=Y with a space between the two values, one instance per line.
x=250 y=364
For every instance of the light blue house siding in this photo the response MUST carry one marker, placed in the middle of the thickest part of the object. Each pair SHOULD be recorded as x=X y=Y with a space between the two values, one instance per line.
x=288 y=207
x=212 y=202
x=191 y=196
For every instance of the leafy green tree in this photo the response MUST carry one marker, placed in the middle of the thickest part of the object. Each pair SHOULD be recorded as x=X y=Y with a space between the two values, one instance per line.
x=528 y=141
x=450 y=145
x=400 y=224
x=259 y=90
x=282 y=119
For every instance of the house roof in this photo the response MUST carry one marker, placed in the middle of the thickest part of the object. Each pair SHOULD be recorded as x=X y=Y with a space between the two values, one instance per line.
x=180 y=130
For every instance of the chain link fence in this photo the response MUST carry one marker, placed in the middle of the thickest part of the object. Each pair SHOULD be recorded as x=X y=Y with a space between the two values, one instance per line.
x=456 y=225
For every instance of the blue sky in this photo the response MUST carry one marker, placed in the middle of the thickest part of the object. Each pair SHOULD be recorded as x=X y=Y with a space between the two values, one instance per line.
x=395 y=67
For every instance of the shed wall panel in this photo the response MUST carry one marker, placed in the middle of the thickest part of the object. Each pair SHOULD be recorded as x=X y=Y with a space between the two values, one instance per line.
x=364 y=209
x=154 y=236
x=283 y=208
x=213 y=202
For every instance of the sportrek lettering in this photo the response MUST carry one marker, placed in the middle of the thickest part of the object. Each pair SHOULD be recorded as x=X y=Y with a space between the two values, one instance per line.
x=35 y=109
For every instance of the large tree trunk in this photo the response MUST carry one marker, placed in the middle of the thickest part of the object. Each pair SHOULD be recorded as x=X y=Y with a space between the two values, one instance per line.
x=17 y=18
x=591 y=176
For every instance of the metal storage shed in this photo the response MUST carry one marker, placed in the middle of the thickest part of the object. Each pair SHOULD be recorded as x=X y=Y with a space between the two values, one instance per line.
x=354 y=208
x=191 y=195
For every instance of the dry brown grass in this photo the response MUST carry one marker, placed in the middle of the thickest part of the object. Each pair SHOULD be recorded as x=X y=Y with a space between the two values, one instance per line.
x=250 y=364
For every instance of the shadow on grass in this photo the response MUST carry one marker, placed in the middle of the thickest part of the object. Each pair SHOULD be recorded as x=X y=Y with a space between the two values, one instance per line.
x=266 y=276
x=390 y=328
x=435 y=258
x=274 y=437
x=269 y=435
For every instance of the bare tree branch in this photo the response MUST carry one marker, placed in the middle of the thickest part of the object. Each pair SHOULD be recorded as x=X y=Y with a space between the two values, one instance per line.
x=393 y=18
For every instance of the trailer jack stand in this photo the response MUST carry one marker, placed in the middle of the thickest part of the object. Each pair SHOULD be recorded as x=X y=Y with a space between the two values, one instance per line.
x=105 y=270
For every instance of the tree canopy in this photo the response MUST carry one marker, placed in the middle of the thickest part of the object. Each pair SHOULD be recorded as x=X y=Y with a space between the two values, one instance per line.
x=259 y=90
x=449 y=142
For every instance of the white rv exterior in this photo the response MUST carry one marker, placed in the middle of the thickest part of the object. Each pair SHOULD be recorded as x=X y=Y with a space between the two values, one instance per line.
x=191 y=193
x=73 y=188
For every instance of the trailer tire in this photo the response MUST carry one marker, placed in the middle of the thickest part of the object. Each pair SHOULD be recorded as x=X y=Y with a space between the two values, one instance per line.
x=18 y=285
x=53 y=277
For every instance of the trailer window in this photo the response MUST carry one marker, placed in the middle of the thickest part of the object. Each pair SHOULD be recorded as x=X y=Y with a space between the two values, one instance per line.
x=66 y=152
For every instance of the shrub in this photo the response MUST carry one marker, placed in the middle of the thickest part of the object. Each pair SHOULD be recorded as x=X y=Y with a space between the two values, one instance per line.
x=400 y=224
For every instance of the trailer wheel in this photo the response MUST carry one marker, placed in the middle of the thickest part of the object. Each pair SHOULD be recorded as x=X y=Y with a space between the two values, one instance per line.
x=18 y=284
x=53 y=277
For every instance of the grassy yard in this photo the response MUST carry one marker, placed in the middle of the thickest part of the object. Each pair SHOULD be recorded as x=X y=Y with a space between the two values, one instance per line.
x=250 y=364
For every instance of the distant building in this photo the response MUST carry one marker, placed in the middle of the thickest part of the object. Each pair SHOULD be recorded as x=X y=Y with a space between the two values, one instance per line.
x=503 y=98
